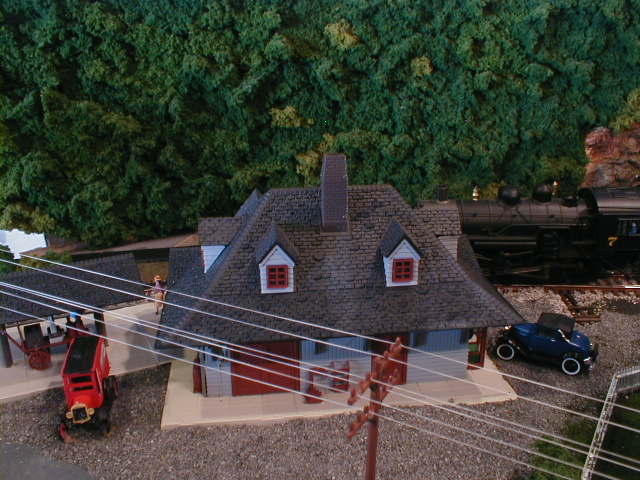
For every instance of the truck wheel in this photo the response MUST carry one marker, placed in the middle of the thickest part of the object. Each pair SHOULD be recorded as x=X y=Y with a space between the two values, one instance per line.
x=111 y=387
x=504 y=351
x=571 y=366
x=104 y=427
x=63 y=430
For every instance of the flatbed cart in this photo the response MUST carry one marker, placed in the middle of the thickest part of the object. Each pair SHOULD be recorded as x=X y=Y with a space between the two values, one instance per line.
x=37 y=347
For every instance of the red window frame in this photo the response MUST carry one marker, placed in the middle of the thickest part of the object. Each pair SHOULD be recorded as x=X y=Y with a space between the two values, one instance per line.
x=277 y=276
x=402 y=270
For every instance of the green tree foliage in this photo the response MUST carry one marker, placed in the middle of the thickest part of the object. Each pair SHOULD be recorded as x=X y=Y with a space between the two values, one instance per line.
x=4 y=255
x=630 y=114
x=131 y=119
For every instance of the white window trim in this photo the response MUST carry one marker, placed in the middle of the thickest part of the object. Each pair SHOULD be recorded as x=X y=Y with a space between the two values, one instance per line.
x=276 y=256
x=403 y=250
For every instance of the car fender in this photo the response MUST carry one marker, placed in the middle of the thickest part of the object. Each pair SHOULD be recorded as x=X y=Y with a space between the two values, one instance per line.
x=504 y=338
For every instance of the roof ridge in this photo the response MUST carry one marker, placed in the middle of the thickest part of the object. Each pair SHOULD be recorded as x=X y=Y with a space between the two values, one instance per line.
x=230 y=250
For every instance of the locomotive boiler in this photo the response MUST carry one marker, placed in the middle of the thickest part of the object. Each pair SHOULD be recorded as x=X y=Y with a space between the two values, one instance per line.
x=545 y=237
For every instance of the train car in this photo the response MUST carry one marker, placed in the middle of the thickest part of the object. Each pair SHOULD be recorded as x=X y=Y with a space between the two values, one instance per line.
x=544 y=237
x=88 y=388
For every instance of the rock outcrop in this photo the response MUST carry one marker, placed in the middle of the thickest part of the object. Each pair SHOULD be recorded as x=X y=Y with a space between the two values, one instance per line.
x=614 y=159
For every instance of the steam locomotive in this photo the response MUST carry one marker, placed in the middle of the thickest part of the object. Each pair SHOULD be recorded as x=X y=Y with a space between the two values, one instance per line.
x=545 y=237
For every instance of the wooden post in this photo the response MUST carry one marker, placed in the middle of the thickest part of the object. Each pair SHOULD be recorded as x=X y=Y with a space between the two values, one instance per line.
x=101 y=327
x=385 y=374
x=6 y=360
x=372 y=440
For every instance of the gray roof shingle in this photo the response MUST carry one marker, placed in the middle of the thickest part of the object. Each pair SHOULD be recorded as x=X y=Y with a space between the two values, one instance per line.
x=339 y=276
x=393 y=236
x=275 y=236
x=443 y=218
x=123 y=266
x=218 y=231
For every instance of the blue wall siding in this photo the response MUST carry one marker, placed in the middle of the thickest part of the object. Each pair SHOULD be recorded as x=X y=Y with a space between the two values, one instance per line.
x=308 y=350
x=448 y=345
x=442 y=340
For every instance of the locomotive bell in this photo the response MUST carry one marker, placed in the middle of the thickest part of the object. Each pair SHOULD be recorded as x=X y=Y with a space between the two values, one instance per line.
x=509 y=195
x=542 y=193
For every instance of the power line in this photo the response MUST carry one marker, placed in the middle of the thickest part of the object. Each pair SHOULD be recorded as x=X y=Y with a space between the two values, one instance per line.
x=191 y=337
x=323 y=327
x=335 y=402
x=344 y=347
x=242 y=349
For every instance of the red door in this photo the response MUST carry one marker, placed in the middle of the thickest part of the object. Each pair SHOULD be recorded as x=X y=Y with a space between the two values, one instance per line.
x=241 y=386
x=380 y=347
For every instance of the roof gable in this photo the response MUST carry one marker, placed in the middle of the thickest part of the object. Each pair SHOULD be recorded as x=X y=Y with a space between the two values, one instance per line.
x=250 y=204
x=275 y=237
x=393 y=236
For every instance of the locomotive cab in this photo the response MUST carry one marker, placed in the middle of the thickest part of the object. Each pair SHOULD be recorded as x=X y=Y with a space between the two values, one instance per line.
x=88 y=388
x=616 y=219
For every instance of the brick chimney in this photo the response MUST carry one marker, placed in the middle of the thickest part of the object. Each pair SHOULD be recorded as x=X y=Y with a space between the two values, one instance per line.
x=333 y=193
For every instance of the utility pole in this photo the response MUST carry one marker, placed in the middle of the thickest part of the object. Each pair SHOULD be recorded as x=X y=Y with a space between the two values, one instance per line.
x=380 y=382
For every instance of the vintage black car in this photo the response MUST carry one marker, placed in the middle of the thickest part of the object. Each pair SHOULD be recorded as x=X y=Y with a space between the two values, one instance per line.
x=553 y=339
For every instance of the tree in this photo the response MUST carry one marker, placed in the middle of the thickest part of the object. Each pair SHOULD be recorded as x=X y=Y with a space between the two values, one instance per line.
x=130 y=120
x=6 y=255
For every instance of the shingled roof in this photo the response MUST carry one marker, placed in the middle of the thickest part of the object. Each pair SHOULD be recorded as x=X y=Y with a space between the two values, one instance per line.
x=275 y=236
x=122 y=266
x=393 y=236
x=442 y=218
x=218 y=231
x=339 y=275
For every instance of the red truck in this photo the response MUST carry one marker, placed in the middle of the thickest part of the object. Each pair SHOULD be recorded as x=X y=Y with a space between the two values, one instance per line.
x=88 y=388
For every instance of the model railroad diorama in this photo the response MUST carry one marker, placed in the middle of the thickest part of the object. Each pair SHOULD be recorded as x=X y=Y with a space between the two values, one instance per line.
x=532 y=240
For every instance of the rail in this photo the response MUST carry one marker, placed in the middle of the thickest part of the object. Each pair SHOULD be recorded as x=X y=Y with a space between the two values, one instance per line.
x=622 y=381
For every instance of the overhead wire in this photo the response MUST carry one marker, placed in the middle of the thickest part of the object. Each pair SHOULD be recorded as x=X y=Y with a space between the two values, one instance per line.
x=322 y=327
x=295 y=335
x=241 y=349
x=280 y=387
x=339 y=375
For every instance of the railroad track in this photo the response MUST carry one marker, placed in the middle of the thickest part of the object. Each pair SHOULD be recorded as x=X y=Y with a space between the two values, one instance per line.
x=618 y=284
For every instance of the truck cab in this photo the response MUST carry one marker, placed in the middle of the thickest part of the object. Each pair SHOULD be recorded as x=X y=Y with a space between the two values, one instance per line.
x=88 y=388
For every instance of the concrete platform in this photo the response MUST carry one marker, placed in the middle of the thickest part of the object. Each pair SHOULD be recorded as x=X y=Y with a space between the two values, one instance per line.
x=21 y=380
x=182 y=407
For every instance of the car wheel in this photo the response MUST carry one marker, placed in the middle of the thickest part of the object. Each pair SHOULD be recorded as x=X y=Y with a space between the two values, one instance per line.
x=504 y=351
x=571 y=366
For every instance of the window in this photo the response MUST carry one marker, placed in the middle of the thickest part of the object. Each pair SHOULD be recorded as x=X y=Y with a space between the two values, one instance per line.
x=319 y=348
x=629 y=227
x=419 y=339
x=277 y=276
x=403 y=270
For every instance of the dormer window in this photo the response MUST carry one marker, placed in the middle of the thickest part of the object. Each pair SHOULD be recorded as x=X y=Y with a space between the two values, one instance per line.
x=402 y=270
x=276 y=257
x=400 y=256
x=277 y=276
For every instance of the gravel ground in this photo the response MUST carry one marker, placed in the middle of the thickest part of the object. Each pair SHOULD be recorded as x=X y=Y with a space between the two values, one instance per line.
x=318 y=449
